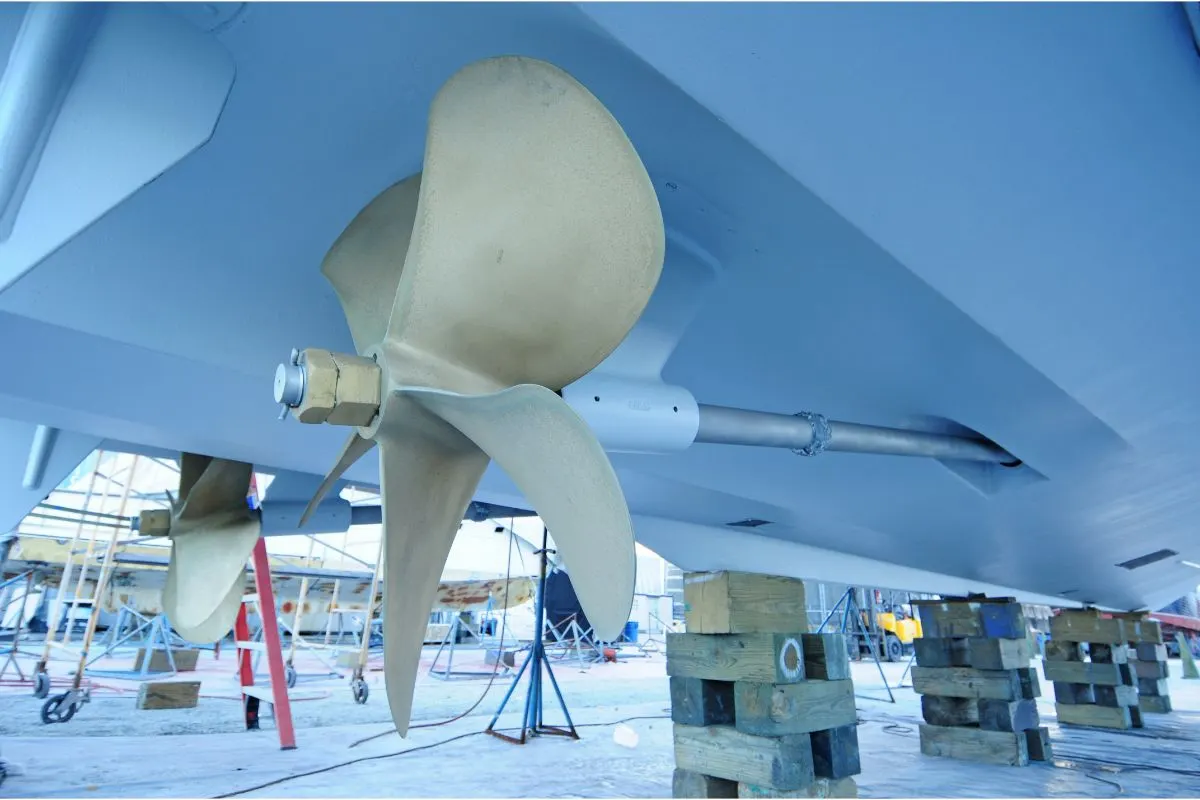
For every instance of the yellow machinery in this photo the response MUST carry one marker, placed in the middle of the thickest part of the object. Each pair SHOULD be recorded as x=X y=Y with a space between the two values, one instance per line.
x=899 y=629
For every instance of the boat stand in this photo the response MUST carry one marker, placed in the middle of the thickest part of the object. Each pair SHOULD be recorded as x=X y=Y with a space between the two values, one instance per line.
x=9 y=587
x=459 y=625
x=155 y=635
x=573 y=639
x=532 y=723
x=850 y=610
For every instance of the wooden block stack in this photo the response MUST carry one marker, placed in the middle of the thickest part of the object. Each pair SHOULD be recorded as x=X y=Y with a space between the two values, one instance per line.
x=1087 y=659
x=1147 y=661
x=761 y=708
x=978 y=691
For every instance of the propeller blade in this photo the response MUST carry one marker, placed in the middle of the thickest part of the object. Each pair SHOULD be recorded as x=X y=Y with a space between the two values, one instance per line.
x=555 y=460
x=538 y=237
x=355 y=448
x=191 y=467
x=365 y=262
x=221 y=489
x=426 y=487
x=205 y=578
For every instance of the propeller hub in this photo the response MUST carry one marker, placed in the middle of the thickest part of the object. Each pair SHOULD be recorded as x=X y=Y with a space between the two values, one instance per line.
x=318 y=386
x=154 y=522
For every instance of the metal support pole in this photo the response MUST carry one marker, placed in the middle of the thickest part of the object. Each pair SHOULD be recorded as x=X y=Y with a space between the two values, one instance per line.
x=532 y=723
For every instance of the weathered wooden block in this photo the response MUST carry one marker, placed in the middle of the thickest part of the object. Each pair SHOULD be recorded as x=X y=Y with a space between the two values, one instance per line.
x=185 y=660
x=1037 y=742
x=1135 y=716
x=1150 y=651
x=1086 y=626
x=1057 y=650
x=781 y=762
x=949 y=619
x=1127 y=676
x=1153 y=687
x=949 y=710
x=1008 y=715
x=942 y=652
x=1154 y=704
x=975 y=744
x=1149 y=669
x=168 y=694
x=1108 y=653
x=743 y=602
x=688 y=784
x=1074 y=693
x=1116 y=695
x=758 y=657
x=1147 y=631
x=1094 y=716
x=967 y=682
x=820 y=787
x=1083 y=672
x=1031 y=687
x=825 y=656
x=764 y=709
x=695 y=701
x=1003 y=620
x=999 y=653
x=835 y=752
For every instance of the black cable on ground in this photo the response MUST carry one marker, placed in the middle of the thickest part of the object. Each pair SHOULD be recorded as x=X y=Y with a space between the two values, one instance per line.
x=1127 y=766
x=495 y=667
x=416 y=749
x=1067 y=760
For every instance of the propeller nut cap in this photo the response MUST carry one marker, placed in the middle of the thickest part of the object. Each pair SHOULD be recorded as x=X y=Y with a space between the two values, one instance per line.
x=289 y=384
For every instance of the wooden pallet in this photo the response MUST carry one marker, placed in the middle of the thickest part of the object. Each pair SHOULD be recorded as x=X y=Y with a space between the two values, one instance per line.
x=978 y=691
x=761 y=708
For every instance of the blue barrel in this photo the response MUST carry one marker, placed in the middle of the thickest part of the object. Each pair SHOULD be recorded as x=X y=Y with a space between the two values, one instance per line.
x=630 y=633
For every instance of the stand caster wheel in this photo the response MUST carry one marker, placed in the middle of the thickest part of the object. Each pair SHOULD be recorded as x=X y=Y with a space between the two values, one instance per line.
x=41 y=685
x=359 y=687
x=58 y=709
x=289 y=676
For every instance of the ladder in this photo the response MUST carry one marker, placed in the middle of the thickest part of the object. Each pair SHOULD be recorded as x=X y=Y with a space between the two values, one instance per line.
x=276 y=692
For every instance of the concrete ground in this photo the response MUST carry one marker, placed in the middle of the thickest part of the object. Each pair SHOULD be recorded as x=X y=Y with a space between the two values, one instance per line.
x=112 y=750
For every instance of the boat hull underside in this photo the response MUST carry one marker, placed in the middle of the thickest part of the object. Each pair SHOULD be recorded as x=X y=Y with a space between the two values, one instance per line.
x=914 y=216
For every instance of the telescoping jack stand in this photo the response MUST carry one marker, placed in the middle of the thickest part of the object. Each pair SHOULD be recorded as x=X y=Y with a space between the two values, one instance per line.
x=531 y=723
